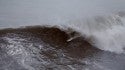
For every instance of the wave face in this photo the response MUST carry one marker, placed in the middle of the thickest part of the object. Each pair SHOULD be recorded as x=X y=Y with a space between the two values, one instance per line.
x=42 y=48
x=51 y=48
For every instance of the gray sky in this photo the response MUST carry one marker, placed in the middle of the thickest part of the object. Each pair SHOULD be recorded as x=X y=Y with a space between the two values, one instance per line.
x=24 y=12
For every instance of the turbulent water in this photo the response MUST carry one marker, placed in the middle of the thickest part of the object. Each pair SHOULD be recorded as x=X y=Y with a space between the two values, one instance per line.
x=62 y=35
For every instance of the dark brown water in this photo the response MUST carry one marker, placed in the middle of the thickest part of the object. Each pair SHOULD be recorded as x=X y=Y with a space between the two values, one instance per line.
x=48 y=48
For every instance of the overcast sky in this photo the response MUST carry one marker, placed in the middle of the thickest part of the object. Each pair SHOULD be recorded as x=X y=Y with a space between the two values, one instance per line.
x=22 y=12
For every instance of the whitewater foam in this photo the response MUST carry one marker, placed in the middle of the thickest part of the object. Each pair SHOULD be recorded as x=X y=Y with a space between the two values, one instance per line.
x=106 y=33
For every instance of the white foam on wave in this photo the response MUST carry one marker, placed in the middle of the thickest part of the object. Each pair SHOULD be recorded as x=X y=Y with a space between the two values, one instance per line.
x=107 y=33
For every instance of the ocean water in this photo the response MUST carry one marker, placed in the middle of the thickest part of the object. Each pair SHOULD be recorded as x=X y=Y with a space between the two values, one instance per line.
x=62 y=35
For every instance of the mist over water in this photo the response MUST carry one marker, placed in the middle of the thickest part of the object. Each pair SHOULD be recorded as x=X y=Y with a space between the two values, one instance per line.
x=14 y=13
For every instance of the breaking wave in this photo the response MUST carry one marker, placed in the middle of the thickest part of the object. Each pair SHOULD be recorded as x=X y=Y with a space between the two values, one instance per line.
x=103 y=32
x=106 y=33
x=81 y=44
